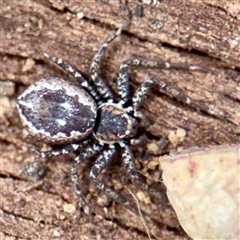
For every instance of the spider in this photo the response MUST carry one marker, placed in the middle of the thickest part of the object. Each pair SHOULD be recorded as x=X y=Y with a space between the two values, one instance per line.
x=89 y=117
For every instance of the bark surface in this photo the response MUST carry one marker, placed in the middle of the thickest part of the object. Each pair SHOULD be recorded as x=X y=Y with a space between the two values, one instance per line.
x=204 y=33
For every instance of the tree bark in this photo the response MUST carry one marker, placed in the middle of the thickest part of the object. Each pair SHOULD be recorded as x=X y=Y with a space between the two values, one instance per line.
x=204 y=33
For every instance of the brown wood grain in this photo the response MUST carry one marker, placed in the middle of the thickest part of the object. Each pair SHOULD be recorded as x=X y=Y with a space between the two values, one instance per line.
x=204 y=33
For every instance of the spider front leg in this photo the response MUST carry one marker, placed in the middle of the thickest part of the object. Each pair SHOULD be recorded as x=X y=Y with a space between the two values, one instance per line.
x=86 y=154
x=123 y=79
x=163 y=85
x=123 y=90
x=139 y=95
x=103 y=89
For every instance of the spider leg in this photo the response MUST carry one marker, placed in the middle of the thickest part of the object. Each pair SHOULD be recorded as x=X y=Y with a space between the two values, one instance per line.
x=86 y=154
x=123 y=79
x=123 y=83
x=165 y=87
x=123 y=89
x=103 y=89
x=99 y=165
x=128 y=160
x=163 y=64
x=139 y=95
x=64 y=150
x=178 y=94
x=72 y=71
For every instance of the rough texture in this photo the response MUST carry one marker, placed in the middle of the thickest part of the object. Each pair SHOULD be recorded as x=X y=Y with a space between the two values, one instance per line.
x=204 y=33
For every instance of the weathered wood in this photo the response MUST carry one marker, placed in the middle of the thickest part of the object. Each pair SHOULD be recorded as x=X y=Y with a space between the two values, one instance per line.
x=204 y=33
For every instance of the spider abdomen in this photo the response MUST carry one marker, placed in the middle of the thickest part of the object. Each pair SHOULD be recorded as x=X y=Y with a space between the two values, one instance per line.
x=113 y=123
x=57 y=111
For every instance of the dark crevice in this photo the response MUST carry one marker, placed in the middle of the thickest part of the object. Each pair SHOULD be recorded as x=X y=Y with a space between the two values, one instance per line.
x=164 y=44
x=10 y=176
x=40 y=221
x=3 y=176
x=130 y=35
x=11 y=214
x=10 y=235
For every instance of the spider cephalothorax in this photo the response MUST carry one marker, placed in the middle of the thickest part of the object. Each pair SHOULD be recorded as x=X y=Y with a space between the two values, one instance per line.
x=86 y=116
x=114 y=123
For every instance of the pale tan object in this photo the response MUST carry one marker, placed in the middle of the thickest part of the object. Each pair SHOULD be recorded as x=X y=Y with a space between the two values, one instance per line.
x=203 y=186
x=177 y=136
x=28 y=65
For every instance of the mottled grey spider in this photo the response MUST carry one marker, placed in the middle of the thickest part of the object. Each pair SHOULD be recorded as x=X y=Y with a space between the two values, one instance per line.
x=59 y=112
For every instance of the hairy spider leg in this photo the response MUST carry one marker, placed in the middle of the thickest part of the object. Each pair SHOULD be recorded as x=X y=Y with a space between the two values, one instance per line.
x=165 y=87
x=139 y=95
x=123 y=84
x=103 y=89
x=162 y=64
x=123 y=79
x=65 y=150
x=88 y=152
x=98 y=166
x=128 y=161
x=76 y=74
x=178 y=94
